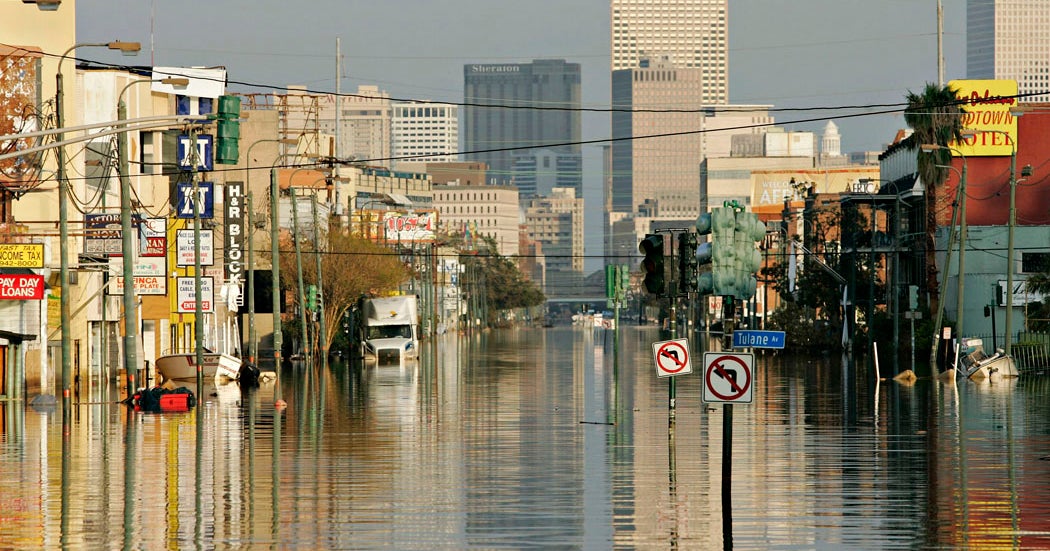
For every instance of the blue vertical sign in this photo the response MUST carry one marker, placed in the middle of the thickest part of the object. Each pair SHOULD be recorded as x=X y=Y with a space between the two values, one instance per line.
x=184 y=200
x=183 y=153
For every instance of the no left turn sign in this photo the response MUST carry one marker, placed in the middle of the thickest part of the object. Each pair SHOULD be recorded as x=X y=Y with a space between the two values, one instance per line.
x=728 y=377
x=672 y=358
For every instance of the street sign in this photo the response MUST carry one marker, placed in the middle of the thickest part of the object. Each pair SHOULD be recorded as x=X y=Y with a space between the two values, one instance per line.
x=728 y=377
x=672 y=358
x=184 y=153
x=758 y=339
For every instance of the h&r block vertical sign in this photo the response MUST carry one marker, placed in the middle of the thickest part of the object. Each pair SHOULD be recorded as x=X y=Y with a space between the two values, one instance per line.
x=235 y=237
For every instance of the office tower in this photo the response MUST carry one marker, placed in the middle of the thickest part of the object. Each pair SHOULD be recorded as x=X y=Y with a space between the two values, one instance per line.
x=1009 y=39
x=424 y=131
x=658 y=147
x=690 y=34
x=512 y=107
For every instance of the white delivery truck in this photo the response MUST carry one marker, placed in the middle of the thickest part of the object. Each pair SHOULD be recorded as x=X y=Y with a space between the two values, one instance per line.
x=390 y=328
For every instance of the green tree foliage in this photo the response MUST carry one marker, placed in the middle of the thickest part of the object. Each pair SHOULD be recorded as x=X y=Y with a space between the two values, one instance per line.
x=935 y=116
x=502 y=283
x=351 y=267
x=1039 y=312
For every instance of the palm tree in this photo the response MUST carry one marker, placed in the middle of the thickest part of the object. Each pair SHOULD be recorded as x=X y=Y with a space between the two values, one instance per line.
x=935 y=116
x=1039 y=312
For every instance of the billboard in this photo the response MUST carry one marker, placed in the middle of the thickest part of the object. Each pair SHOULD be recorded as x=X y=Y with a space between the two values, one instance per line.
x=986 y=110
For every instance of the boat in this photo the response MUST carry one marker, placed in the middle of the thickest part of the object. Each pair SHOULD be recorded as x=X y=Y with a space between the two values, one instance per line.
x=183 y=366
x=978 y=365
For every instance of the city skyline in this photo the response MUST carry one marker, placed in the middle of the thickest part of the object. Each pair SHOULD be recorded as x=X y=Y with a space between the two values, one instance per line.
x=794 y=55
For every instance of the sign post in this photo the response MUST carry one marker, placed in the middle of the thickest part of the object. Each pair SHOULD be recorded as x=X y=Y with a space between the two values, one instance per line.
x=728 y=379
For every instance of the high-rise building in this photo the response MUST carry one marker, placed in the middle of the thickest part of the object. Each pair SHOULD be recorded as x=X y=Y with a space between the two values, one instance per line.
x=424 y=131
x=1008 y=39
x=658 y=147
x=690 y=34
x=513 y=106
x=556 y=223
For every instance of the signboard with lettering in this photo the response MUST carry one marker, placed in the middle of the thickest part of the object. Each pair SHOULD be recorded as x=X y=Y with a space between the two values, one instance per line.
x=186 y=253
x=153 y=237
x=21 y=287
x=235 y=237
x=149 y=275
x=986 y=111
x=403 y=228
x=22 y=255
x=102 y=233
x=184 y=200
x=186 y=297
x=190 y=158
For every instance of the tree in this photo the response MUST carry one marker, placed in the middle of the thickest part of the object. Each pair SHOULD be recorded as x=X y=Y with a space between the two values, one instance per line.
x=1039 y=312
x=352 y=267
x=501 y=283
x=935 y=116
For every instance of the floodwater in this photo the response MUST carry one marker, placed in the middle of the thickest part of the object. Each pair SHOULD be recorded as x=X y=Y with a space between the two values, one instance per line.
x=540 y=439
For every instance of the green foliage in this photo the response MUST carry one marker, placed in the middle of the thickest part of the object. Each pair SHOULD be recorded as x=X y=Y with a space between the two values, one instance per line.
x=1039 y=312
x=805 y=332
x=935 y=116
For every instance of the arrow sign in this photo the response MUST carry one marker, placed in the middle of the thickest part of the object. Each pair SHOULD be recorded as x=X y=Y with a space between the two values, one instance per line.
x=728 y=377
x=672 y=358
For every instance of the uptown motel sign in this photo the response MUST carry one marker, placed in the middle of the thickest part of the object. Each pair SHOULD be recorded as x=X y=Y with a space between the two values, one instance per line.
x=728 y=377
x=986 y=111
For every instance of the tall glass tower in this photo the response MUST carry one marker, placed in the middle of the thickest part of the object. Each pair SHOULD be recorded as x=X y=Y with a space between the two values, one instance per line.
x=1010 y=39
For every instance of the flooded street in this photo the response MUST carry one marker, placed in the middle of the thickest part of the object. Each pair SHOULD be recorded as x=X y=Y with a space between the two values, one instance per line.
x=538 y=439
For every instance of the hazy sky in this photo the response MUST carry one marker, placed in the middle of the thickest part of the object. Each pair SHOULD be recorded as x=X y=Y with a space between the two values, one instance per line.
x=788 y=53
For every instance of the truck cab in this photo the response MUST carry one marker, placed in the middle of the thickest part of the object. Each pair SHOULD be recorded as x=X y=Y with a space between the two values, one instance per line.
x=390 y=329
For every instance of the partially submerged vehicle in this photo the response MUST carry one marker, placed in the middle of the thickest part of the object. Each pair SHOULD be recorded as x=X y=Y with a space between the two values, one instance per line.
x=390 y=327
x=976 y=364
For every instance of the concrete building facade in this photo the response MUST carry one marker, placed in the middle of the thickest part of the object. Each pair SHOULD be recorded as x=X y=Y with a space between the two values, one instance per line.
x=1008 y=39
x=480 y=210
x=690 y=34
x=424 y=131
x=501 y=113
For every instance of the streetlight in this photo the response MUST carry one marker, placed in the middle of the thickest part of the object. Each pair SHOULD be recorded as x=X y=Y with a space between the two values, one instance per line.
x=961 y=200
x=63 y=210
x=131 y=330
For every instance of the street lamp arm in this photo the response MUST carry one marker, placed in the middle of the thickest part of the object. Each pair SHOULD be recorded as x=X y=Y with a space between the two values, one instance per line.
x=152 y=122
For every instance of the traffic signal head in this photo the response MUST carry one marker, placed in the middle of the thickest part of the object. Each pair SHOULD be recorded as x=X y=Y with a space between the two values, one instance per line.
x=687 y=261
x=311 y=297
x=653 y=263
x=228 y=131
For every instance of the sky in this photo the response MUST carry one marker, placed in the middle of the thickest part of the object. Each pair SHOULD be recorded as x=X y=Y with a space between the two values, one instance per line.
x=793 y=54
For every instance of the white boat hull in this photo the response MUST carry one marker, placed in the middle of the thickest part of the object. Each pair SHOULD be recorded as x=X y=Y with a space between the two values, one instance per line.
x=183 y=367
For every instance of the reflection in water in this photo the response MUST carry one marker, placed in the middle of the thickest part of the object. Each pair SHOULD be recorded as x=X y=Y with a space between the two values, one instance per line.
x=537 y=439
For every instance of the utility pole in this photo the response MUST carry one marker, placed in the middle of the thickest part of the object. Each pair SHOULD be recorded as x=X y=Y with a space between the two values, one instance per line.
x=299 y=271
x=322 y=336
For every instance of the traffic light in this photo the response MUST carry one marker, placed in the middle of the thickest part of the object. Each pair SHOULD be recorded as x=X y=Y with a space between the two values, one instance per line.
x=611 y=280
x=311 y=297
x=625 y=280
x=687 y=262
x=228 y=130
x=749 y=232
x=653 y=263
x=731 y=252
